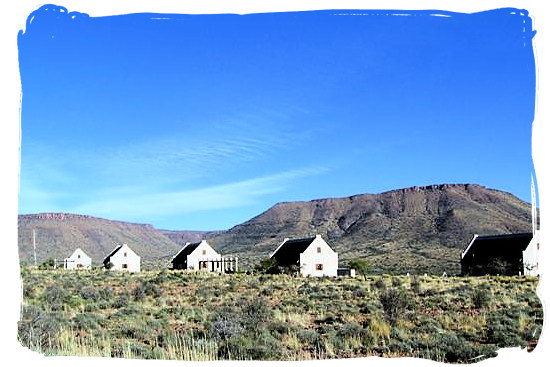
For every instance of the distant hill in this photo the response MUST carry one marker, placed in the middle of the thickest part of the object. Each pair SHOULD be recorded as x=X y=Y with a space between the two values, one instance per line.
x=416 y=230
x=59 y=234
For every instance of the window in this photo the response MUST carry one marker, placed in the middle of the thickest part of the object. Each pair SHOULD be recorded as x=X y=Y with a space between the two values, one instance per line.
x=318 y=266
x=318 y=250
x=79 y=256
x=124 y=266
x=204 y=252
x=125 y=254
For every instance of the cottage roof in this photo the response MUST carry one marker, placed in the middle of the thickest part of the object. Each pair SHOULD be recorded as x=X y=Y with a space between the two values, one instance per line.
x=513 y=240
x=187 y=249
x=78 y=251
x=108 y=257
x=289 y=251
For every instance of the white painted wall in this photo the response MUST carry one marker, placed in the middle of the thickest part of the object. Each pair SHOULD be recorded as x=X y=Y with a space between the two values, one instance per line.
x=531 y=256
x=78 y=260
x=126 y=259
x=203 y=252
x=311 y=257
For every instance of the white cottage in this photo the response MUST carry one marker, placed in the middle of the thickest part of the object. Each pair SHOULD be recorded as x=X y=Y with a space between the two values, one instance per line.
x=201 y=256
x=122 y=258
x=313 y=256
x=78 y=260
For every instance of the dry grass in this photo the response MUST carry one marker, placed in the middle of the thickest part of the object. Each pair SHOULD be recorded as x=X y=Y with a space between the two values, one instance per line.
x=203 y=316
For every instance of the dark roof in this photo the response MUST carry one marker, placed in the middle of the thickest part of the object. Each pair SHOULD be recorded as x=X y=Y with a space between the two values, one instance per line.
x=516 y=240
x=107 y=258
x=187 y=249
x=289 y=252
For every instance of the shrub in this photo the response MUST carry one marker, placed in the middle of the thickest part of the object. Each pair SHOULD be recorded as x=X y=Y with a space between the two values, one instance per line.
x=453 y=348
x=309 y=337
x=227 y=324
x=415 y=285
x=379 y=284
x=55 y=296
x=29 y=290
x=267 y=265
x=146 y=288
x=48 y=264
x=361 y=266
x=90 y=293
x=358 y=292
x=396 y=281
x=256 y=313
x=503 y=328
x=394 y=304
x=481 y=298
x=38 y=330
x=349 y=330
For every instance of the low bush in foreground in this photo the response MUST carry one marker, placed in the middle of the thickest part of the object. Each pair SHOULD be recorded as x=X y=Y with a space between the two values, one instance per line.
x=204 y=316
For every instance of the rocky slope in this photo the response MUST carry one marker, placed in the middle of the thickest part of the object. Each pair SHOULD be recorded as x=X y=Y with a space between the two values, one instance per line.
x=417 y=230
x=58 y=235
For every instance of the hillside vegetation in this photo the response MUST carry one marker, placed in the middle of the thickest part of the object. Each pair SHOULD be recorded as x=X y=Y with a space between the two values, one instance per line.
x=414 y=230
x=57 y=235
x=207 y=316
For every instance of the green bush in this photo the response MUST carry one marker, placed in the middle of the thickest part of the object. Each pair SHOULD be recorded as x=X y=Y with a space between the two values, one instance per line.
x=39 y=330
x=255 y=314
x=415 y=285
x=90 y=293
x=394 y=303
x=453 y=348
x=379 y=284
x=55 y=296
x=226 y=324
x=481 y=298
x=503 y=328
x=146 y=288
x=309 y=337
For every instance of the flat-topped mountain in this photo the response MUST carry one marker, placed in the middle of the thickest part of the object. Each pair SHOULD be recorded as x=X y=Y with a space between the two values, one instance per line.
x=416 y=230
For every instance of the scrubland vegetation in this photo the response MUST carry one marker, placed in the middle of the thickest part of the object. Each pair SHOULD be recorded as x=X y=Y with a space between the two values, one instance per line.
x=205 y=316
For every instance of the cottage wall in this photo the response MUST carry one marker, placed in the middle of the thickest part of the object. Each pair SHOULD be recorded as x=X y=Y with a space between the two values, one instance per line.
x=78 y=260
x=319 y=259
x=202 y=252
x=125 y=259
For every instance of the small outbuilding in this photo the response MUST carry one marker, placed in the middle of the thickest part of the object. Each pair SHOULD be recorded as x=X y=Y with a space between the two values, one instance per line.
x=78 y=260
x=313 y=256
x=122 y=258
x=508 y=254
x=201 y=256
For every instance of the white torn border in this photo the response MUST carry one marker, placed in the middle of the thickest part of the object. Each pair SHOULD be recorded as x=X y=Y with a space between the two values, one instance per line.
x=14 y=18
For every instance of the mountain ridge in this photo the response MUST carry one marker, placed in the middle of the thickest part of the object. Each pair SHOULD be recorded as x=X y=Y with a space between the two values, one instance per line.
x=413 y=229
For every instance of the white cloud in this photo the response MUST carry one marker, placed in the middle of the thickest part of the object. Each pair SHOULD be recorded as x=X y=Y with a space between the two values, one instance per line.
x=135 y=206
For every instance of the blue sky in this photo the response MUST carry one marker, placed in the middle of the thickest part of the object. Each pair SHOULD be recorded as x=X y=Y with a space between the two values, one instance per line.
x=204 y=121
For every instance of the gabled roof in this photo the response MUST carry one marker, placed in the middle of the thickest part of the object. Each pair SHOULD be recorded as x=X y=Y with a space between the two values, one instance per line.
x=289 y=251
x=78 y=250
x=187 y=249
x=106 y=259
x=519 y=240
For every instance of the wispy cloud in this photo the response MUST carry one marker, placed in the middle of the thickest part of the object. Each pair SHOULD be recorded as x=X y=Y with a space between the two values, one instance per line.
x=136 y=206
